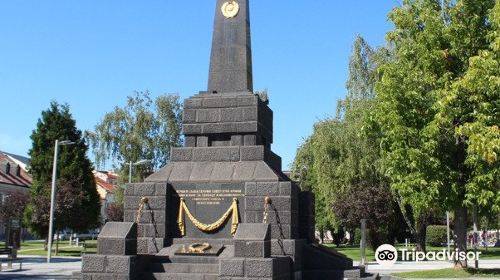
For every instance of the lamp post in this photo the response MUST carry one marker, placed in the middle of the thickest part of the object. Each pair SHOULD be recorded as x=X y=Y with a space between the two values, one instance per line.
x=140 y=162
x=53 y=194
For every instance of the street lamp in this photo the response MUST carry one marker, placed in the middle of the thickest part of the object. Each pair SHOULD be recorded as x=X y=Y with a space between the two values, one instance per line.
x=53 y=194
x=140 y=162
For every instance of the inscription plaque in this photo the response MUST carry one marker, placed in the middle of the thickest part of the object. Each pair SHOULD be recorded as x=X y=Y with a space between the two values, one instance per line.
x=208 y=202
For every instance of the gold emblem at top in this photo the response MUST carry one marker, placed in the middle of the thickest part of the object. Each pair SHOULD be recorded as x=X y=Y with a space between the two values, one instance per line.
x=230 y=9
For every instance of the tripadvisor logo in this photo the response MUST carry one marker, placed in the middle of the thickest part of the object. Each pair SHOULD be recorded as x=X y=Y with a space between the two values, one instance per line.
x=387 y=255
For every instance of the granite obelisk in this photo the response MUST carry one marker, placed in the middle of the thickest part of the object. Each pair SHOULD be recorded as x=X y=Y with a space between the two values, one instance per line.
x=231 y=57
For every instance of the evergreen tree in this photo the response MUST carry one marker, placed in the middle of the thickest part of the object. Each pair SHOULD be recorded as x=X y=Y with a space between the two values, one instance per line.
x=78 y=204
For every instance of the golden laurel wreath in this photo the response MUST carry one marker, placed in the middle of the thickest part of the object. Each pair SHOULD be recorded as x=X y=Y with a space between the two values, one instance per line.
x=184 y=210
x=230 y=9
x=199 y=248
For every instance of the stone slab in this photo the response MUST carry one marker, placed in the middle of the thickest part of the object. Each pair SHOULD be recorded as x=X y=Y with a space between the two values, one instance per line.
x=253 y=232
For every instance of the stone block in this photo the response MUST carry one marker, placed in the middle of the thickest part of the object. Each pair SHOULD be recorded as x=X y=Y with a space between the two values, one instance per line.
x=280 y=231
x=244 y=171
x=129 y=189
x=250 y=114
x=190 y=141
x=161 y=189
x=252 y=249
x=251 y=189
x=268 y=189
x=281 y=203
x=208 y=115
x=223 y=102
x=129 y=215
x=251 y=217
x=144 y=189
x=252 y=153
x=202 y=141
x=254 y=203
x=216 y=154
x=189 y=116
x=192 y=103
x=192 y=129
x=181 y=171
x=158 y=202
x=116 y=246
x=245 y=127
x=236 y=140
x=253 y=232
x=259 y=267
x=250 y=140
x=120 y=264
x=214 y=128
x=181 y=154
x=223 y=172
x=119 y=230
x=93 y=263
x=232 y=267
x=264 y=173
x=231 y=115
x=201 y=171
x=103 y=276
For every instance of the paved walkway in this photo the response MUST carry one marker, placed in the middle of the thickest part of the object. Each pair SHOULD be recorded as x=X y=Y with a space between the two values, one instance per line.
x=373 y=267
x=36 y=267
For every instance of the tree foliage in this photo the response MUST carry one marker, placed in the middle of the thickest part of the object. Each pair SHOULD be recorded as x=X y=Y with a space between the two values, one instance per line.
x=437 y=106
x=77 y=195
x=12 y=207
x=340 y=158
x=142 y=129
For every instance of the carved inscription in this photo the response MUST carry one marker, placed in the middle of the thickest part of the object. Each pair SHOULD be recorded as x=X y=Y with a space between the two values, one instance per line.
x=210 y=197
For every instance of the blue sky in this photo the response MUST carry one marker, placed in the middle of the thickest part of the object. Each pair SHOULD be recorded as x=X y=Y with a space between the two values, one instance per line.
x=92 y=54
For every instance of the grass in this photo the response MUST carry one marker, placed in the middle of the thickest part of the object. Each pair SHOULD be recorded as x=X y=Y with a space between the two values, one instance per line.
x=451 y=273
x=36 y=248
x=354 y=252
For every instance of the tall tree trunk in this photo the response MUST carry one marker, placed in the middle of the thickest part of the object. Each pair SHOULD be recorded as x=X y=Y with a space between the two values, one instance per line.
x=421 y=232
x=460 y=232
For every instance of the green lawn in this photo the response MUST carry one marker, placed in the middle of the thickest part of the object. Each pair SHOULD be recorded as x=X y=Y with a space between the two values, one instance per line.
x=354 y=252
x=36 y=248
x=451 y=273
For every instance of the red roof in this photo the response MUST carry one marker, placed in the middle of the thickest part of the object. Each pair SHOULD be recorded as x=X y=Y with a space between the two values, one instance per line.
x=107 y=186
x=11 y=178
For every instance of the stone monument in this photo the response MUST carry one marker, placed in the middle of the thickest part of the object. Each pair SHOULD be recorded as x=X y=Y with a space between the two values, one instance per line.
x=222 y=208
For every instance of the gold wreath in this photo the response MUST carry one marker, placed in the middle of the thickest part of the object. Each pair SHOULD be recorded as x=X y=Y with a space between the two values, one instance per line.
x=183 y=209
x=199 y=248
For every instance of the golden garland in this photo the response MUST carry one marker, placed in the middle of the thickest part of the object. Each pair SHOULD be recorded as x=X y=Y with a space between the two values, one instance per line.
x=208 y=227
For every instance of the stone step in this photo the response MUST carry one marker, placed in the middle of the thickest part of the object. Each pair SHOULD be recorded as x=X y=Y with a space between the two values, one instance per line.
x=177 y=276
x=185 y=268
x=331 y=274
x=194 y=259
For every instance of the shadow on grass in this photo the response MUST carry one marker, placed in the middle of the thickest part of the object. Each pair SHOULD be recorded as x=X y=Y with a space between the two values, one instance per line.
x=484 y=271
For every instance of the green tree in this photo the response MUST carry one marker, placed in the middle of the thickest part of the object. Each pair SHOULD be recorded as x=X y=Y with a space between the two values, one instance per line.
x=436 y=108
x=77 y=194
x=142 y=129
x=341 y=158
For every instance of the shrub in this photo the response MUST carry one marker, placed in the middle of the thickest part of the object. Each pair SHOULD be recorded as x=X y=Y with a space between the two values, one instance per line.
x=436 y=235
